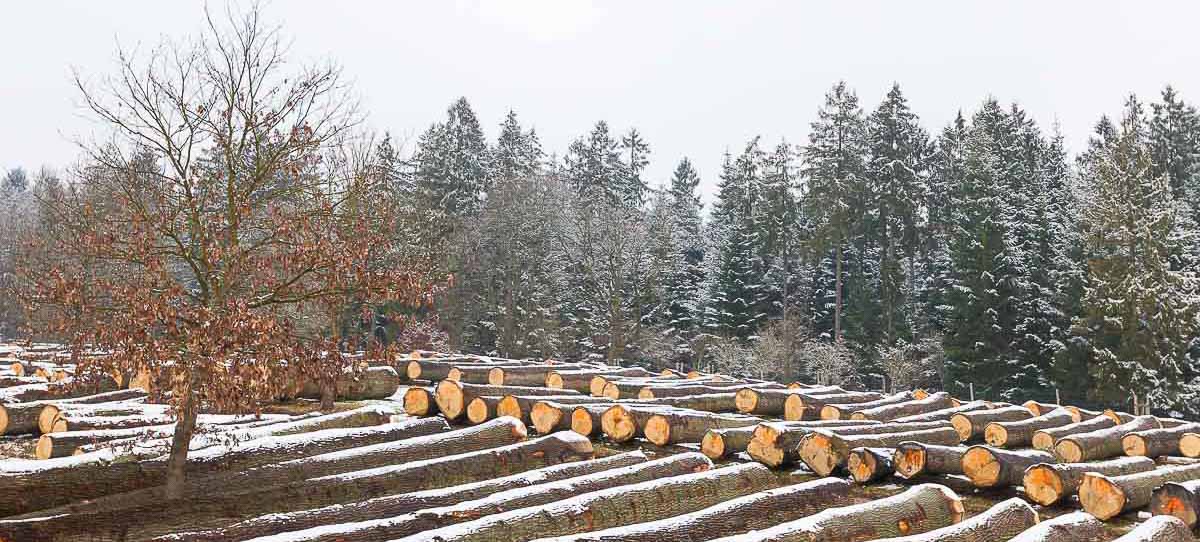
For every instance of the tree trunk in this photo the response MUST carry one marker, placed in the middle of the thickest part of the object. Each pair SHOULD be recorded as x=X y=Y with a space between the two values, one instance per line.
x=915 y=459
x=995 y=467
x=328 y=393
x=436 y=369
x=390 y=528
x=803 y=406
x=1006 y=519
x=1156 y=442
x=185 y=425
x=453 y=397
x=825 y=452
x=598 y=382
x=548 y=416
x=722 y=443
x=778 y=445
x=870 y=464
x=482 y=409
x=1100 y=444
x=1044 y=439
x=1050 y=483
x=970 y=425
x=1073 y=527
x=837 y=295
x=1019 y=434
x=1040 y=409
x=710 y=402
x=526 y=375
x=521 y=406
x=407 y=503
x=835 y=411
x=690 y=426
x=419 y=401
x=946 y=413
x=1106 y=497
x=580 y=379
x=1179 y=499
x=762 y=402
x=1159 y=529
x=932 y=403
x=749 y=513
x=587 y=420
x=624 y=505
x=658 y=392
x=920 y=509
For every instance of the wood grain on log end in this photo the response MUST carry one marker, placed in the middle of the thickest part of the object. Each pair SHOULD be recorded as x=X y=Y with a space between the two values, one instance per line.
x=418 y=402
x=1043 y=485
x=1100 y=497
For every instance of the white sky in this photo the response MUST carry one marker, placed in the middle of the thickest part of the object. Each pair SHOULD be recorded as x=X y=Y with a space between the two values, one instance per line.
x=696 y=78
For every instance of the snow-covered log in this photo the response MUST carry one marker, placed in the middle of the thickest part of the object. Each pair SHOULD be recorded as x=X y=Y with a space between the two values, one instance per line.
x=1073 y=527
x=805 y=406
x=778 y=444
x=870 y=464
x=690 y=426
x=931 y=403
x=1049 y=483
x=995 y=467
x=1019 y=434
x=580 y=379
x=970 y=425
x=1179 y=499
x=914 y=459
x=453 y=397
x=1159 y=529
x=825 y=452
x=1108 y=496
x=946 y=413
x=1044 y=439
x=840 y=411
x=721 y=443
x=1006 y=519
x=1156 y=442
x=1100 y=444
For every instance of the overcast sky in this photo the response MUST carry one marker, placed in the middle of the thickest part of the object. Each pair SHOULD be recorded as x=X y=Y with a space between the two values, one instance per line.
x=696 y=78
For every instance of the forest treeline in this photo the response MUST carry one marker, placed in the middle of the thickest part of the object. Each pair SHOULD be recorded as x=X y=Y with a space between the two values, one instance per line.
x=982 y=259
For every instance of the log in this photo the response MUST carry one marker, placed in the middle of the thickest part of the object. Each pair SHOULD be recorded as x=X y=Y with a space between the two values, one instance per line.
x=550 y=416
x=1099 y=444
x=1040 y=409
x=66 y=389
x=1179 y=499
x=919 y=509
x=838 y=411
x=710 y=402
x=913 y=459
x=995 y=467
x=482 y=408
x=824 y=452
x=1019 y=434
x=613 y=507
x=800 y=406
x=521 y=406
x=525 y=375
x=587 y=420
x=419 y=401
x=432 y=369
x=1108 y=496
x=690 y=426
x=1118 y=417
x=1082 y=414
x=1159 y=529
x=616 y=389
x=722 y=443
x=388 y=528
x=657 y=392
x=1189 y=444
x=933 y=403
x=70 y=422
x=762 y=402
x=23 y=417
x=378 y=382
x=970 y=425
x=778 y=444
x=751 y=512
x=395 y=505
x=1073 y=527
x=580 y=379
x=1049 y=483
x=870 y=464
x=1000 y=522
x=1044 y=439
x=597 y=383
x=474 y=373
x=51 y=413
x=946 y=413
x=1156 y=442
x=63 y=444
x=453 y=397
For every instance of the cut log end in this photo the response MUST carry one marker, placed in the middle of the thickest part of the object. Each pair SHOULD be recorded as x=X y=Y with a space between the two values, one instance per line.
x=1043 y=485
x=581 y=422
x=596 y=386
x=995 y=435
x=909 y=461
x=3 y=420
x=413 y=370
x=818 y=454
x=477 y=411
x=713 y=445
x=417 y=402
x=1134 y=445
x=611 y=391
x=618 y=424
x=981 y=466
x=496 y=376
x=1174 y=500
x=1189 y=445
x=545 y=417
x=450 y=399
x=554 y=380
x=1042 y=441
x=1068 y=451
x=793 y=408
x=746 y=400
x=658 y=430
x=962 y=425
x=862 y=466
x=1100 y=497
x=830 y=412
x=644 y=393
x=510 y=406
x=46 y=418
x=45 y=448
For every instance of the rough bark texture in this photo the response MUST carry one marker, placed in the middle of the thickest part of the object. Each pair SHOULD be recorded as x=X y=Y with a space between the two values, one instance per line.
x=1179 y=499
x=870 y=464
x=580 y=380
x=1049 y=483
x=521 y=406
x=613 y=507
x=1100 y=444
x=379 y=382
x=1159 y=529
x=690 y=426
x=1006 y=519
x=825 y=452
x=839 y=411
x=525 y=375
x=721 y=443
x=913 y=459
x=755 y=511
x=1044 y=439
x=946 y=413
x=933 y=403
x=1073 y=527
x=1108 y=496
x=453 y=397
x=586 y=419
x=1019 y=434
x=970 y=425
x=1156 y=442
x=994 y=467
x=806 y=406
x=920 y=509
x=778 y=444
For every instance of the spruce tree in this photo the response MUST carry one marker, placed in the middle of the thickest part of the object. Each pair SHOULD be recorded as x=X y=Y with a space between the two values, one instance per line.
x=594 y=168
x=682 y=284
x=518 y=154
x=735 y=281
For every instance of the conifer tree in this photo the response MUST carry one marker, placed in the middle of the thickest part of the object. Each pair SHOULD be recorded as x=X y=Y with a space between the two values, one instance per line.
x=518 y=154
x=682 y=284
x=735 y=273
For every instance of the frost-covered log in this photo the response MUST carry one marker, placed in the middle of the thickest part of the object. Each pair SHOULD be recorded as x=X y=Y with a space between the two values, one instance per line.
x=842 y=411
x=378 y=382
x=1040 y=409
x=1179 y=499
x=1019 y=434
x=914 y=459
x=825 y=452
x=580 y=379
x=755 y=511
x=70 y=422
x=805 y=406
x=1049 y=483
x=419 y=401
x=946 y=413
x=433 y=369
x=526 y=375
x=778 y=444
x=389 y=528
x=970 y=425
x=1108 y=496
x=521 y=406
x=690 y=426
x=1005 y=519
x=613 y=507
x=405 y=503
x=453 y=397
x=52 y=413
x=63 y=444
x=1159 y=529
x=721 y=443
x=1119 y=417
x=65 y=389
x=1156 y=442
x=932 y=403
x=1100 y=444
x=550 y=416
x=995 y=467
x=870 y=464
x=1073 y=527
x=762 y=402
x=587 y=420
x=1044 y=439
x=920 y=509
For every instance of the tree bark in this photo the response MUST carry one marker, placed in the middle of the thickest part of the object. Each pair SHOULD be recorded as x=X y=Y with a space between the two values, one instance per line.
x=1179 y=499
x=722 y=443
x=920 y=509
x=549 y=416
x=946 y=413
x=690 y=426
x=658 y=392
x=185 y=425
x=914 y=459
x=1159 y=529
x=970 y=425
x=870 y=464
x=587 y=420
x=1049 y=483
x=825 y=452
x=777 y=445
x=752 y=512
x=580 y=379
x=709 y=402
x=526 y=375
x=1100 y=444
x=803 y=406
x=453 y=397
x=1156 y=442
x=1106 y=497
x=932 y=403
x=1006 y=519
x=1044 y=439
x=836 y=411
x=1040 y=409
x=419 y=401
x=613 y=507
x=995 y=467
x=1019 y=434
x=1073 y=527
x=521 y=406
